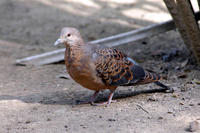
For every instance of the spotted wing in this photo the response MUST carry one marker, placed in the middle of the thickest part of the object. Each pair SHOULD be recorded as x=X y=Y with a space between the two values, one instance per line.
x=116 y=69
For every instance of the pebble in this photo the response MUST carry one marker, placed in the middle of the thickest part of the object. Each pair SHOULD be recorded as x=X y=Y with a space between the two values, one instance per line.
x=28 y=121
x=48 y=119
x=194 y=126
x=182 y=75
x=191 y=104
x=174 y=95
x=111 y=119
x=153 y=98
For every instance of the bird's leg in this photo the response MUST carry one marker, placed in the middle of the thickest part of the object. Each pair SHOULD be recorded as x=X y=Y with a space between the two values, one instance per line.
x=107 y=102
x=110 y=97
x=91 y=99
x=166 y=88
x=94 y=96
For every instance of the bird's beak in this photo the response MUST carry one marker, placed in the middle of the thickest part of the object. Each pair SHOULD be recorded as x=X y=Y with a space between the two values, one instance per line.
x=59 y=41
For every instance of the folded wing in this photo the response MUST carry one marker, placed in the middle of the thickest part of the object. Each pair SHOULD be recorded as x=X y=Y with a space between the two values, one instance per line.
x=116 y=69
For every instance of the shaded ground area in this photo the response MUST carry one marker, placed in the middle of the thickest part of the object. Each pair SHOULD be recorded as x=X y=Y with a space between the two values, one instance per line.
x=36 y=100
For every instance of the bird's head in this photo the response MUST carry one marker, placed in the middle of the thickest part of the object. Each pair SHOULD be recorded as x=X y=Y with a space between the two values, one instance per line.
x=69 y=37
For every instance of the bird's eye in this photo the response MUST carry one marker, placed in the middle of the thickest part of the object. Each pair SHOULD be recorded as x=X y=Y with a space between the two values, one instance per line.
x=68 y=35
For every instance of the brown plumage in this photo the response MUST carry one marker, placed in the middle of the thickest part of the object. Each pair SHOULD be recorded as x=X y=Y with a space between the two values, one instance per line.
x=98 y=68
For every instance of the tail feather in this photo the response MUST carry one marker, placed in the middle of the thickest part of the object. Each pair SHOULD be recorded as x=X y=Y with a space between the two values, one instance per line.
x=150 y=77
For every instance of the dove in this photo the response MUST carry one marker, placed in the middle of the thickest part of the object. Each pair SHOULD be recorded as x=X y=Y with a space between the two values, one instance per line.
x=97 y=67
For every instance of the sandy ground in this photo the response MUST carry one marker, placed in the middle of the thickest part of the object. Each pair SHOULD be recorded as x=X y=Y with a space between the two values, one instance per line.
x=36 y=100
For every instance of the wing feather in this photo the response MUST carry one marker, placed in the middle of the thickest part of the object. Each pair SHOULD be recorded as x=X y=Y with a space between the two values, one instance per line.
x=116 y=69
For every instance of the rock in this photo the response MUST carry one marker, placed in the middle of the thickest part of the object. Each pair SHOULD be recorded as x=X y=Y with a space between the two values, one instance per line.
x=48 y=119
x=153 y=98
x=191 y=104
x=144 y=42
x=28 y=121
x=194 y=126
x=181 y=75
x=111 y=119
x=174 y=95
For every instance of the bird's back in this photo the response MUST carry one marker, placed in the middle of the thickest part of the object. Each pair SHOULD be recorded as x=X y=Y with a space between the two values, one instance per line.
x=117 y=69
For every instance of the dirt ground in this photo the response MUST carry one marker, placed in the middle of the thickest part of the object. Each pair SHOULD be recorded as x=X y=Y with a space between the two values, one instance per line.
x=35 y=100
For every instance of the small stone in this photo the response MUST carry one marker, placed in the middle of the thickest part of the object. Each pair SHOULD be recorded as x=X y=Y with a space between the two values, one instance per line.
x=144 y=42
x=153 y=98
x=148 y=117
x=169 y=112
x=28 y=121
x=194 y=126
x=66 y=126
x=83 y=126
x=191 y=104
x=64 y=76
x=48 y=119
x=174 y=95
x=181 y=75
x=183 y=89
x=160 y=118
x=111 y=119
x=181 y=103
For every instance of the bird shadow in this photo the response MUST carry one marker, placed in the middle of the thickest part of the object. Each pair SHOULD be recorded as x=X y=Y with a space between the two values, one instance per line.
x=61 y=98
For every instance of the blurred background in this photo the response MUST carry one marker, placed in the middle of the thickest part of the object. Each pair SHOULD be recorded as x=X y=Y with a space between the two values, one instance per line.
x=38 y=22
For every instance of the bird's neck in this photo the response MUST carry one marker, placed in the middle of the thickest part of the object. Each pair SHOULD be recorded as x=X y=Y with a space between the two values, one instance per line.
x=74 y=53
x=76 y=49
